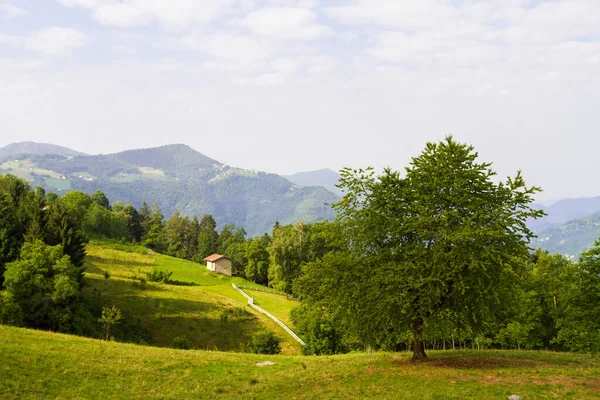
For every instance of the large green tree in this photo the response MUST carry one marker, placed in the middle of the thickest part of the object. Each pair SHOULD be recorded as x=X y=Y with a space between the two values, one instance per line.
x=43 y=282
x=579 y=300
x=9 y=243
x=288 y=251
x=208 y=238
x=257 y=256
x=444 y=240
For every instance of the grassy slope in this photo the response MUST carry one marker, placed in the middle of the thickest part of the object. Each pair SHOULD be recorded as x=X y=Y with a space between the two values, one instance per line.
x=277 y=305
x=184 y=309
x=39 y=364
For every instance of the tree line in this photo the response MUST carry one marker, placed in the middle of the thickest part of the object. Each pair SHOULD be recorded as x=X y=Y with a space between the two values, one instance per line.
x=437 y=257
x=433 y=257
x=43 y=238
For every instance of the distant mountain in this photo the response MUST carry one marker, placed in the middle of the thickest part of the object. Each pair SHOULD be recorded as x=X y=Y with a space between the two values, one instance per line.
x=570 y=238
x=176 y=177
x=323 y=177
x=36 y=148
x=565 y=210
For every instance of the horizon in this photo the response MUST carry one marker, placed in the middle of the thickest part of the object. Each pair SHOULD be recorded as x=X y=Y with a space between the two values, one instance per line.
x=544 y=201
x=299 y=85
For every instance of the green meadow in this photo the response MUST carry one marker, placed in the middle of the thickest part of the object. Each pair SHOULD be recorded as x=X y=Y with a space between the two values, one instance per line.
x=218 y=324
x=38 y=365
x=200 y=305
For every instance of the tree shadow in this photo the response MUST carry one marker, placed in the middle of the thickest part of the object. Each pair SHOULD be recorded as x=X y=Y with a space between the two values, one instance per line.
x=118 y=261
x=471 y=363
x=182 y=283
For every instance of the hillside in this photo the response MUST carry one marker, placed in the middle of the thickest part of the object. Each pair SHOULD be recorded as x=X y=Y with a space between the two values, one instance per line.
x=176 y=177
x=324 y=177
x=200 y=304
x=570 y=238
x=38 y=364
x=565 y=210
x=36 y=148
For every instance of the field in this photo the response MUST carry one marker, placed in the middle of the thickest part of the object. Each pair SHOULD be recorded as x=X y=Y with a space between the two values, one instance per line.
x=39 y=364
x=201 y=305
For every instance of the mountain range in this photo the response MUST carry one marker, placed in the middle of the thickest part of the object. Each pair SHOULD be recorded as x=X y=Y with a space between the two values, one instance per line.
x=37 y=149
x=176 y=177
x=323 y=177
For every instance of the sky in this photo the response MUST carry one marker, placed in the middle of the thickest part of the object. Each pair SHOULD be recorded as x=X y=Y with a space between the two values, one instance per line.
x=295 y=85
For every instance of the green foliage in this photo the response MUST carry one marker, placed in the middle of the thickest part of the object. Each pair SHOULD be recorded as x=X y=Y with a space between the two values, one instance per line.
x=180 y=342
x=154 y=238
x=318 y=331
x=579 y=299
x=9 y=241
x=257 y=256
x=110 y=317
x=288 y=251
x=159 y=276
x=10 y=311
x=189 y=181
x=446 y=239
x=77 y=203
x=265 y=343
x=181 y=236
x=44 y=285
x=232 y=243
x=101 y=222
x=208 y=238
x=100 y=199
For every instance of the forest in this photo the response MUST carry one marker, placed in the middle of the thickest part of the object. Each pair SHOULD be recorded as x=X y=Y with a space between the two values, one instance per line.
x=436 y=256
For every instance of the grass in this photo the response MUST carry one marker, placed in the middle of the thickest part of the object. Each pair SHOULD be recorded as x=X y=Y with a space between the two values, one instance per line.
x=200 y=304
x=39 y=364
x=278 y=305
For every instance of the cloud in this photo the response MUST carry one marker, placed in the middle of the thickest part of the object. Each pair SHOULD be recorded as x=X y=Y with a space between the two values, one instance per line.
x=285 y=23
x=245 y=51
x=175 y=13
x=11 y=11
x=50 y=41
x=56 y=40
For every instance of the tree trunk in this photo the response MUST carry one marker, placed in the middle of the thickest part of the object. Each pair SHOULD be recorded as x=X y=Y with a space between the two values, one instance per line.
x=419 y=346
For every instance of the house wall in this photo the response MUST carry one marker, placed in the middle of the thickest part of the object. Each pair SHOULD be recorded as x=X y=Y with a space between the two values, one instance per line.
x=223 y=266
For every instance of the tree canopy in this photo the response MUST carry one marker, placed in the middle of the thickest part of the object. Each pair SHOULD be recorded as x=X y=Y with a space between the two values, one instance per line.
x=442 y=241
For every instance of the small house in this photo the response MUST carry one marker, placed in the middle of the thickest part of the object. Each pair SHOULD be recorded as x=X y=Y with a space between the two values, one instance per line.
x=218 y=263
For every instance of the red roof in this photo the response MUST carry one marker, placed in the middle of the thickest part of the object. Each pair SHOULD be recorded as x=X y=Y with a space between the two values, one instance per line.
x=214 y=257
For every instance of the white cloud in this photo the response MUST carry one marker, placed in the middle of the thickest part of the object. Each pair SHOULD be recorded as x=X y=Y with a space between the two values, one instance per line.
x=11 y=11
x=285 y=23
x=175 y=13
x=245 y=51
x=56 y=40
x=51 y=41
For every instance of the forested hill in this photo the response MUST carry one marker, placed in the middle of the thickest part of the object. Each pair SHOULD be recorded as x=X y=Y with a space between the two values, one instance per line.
x=36 y=148
x=177 y=177
x=564 y=211
x=572 y=237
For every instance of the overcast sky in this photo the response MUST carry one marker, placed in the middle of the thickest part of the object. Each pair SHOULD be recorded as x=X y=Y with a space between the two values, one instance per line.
x=292 y=85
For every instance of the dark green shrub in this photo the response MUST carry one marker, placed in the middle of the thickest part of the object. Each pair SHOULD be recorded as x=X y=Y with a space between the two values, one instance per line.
x=265 y=343
x=10 y=311
x=159 y=276
x=180 y=342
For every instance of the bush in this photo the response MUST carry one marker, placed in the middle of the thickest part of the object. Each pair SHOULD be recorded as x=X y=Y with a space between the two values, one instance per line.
x=159 y=276
x=233 y=313
x=180 y=342
x=10 y=311
x=265 y=343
